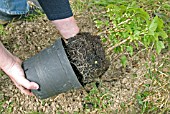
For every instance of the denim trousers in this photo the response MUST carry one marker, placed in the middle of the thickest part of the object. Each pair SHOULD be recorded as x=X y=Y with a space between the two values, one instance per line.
x=14 y=7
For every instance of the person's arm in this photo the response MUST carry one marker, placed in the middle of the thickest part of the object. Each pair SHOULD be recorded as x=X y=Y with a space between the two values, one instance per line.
x=60 y=14
x=11 y=65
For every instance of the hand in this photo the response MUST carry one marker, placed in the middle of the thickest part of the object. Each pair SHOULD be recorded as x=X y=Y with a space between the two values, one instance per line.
x=67 y=27
x=16 y=73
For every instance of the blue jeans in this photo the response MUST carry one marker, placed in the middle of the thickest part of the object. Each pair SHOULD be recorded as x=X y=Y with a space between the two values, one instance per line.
x=14 y=7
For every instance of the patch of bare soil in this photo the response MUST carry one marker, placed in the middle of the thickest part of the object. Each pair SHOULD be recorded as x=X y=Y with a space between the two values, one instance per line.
x=25 y=38
x=87 y=57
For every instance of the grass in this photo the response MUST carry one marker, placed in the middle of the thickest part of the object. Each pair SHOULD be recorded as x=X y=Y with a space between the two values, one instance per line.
x=1 y=106
x=154 y=97
x=97 y=99
x=2 y=31
x=31 y=17
x=149 y=98
x=6 y=110
x=80 y=5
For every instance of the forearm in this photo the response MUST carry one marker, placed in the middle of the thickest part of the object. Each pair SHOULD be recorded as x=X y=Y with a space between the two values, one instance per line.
x=6 y=58
x=60 y=13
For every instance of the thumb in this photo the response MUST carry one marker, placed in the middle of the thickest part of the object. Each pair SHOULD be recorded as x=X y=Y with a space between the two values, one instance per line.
x=17 y=74
x=27 y=84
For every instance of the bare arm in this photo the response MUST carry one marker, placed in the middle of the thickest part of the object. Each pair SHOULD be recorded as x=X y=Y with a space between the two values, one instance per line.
x=11 y=65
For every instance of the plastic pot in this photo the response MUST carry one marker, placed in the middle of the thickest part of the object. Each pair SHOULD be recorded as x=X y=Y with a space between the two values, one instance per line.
x=52 y=70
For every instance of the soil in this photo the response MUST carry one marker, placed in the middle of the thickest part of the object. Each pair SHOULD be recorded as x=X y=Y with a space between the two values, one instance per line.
x=87 y=56
x=24 y=39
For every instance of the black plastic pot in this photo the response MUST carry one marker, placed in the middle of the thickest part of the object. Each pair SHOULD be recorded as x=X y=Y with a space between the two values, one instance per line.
x=51 y=69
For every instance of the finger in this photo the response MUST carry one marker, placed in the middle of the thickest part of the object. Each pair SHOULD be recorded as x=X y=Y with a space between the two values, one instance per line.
x=18 y=76
x=20 y=79
x=25 y=91
x=22 y=89
x=17 y=73
x=27 y=84
x=24 y=82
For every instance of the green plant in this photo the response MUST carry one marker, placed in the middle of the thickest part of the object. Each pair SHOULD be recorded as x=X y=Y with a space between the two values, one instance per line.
x=146 y=106
x=128 y=27
x=97 y=99
x=8 y=109
x=124 y=60
x=31 y=17
x=2 y=31
x=153 y=97
x=1 y=106
x=79 y=5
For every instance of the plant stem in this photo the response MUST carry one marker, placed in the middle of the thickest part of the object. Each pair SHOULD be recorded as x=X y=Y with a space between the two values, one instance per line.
x=116 y=45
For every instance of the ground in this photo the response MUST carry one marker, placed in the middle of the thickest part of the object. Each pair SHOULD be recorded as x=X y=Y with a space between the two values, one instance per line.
x=141 y=86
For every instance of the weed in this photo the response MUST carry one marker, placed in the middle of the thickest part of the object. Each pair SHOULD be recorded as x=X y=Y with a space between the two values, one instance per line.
x=126 y=27
x=79 y=5
x=153 y=98
x=31 y=17
x=7 y=110
x=2 y=31
x=97 y=99
x=1 y=106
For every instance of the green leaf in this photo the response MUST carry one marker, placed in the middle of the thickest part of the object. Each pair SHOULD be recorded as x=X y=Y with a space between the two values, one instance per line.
x=147 y=40
x=136 y=33
x=124 y=60
x=153 y=58
x=101 y=2
x=128 y=28
x=104 y=39
x=2 y=30
x=162 y=34
x=143 y=14
x=153 y=26
x=98 y=23
x=160 y=23
x=155 y=37
x=130 y=50
x=125 y=34
x=159 y=46
x=139 y=98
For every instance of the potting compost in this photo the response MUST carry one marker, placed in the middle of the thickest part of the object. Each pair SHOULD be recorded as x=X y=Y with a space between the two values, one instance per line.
x=87 y=57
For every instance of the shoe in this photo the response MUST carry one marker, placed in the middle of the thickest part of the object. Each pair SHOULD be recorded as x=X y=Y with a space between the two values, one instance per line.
x=34 y=6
